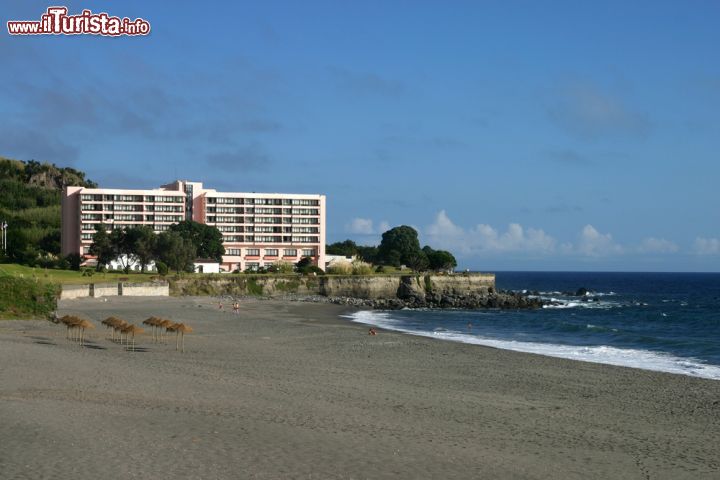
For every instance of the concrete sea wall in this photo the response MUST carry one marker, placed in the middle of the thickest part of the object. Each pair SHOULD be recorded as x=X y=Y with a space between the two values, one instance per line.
x=96 y=290
x=371 y=287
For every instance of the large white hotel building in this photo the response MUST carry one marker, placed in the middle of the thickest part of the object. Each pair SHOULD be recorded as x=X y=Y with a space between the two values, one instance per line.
x=258 y=229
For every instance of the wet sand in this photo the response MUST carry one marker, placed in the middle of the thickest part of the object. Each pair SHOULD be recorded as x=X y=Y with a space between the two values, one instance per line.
x=288 y=390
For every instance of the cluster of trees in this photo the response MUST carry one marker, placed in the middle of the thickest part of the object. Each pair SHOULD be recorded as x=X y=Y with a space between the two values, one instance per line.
x=399 y=246
x=30 y=203
x=175 y=248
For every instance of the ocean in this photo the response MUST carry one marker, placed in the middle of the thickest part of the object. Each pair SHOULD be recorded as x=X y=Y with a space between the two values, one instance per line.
x=667 y=322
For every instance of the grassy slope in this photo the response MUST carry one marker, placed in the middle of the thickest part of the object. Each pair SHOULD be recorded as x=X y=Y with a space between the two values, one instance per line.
x=70 y=276
x=26 y=297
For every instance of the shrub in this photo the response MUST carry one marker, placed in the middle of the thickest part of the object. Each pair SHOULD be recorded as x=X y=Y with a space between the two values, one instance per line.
x=74 y=260
x=63 y=264
x=304 y=262
x=380 y=269
x=88 y=272
x=312 y=269
x=361 y=268
x=340 y=268
x=161 y=267
x=283 y=267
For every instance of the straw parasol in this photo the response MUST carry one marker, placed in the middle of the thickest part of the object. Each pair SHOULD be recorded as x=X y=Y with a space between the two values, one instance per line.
x=84 y=325
x=164 y=323
x=110 y=325
x=154 y=322
x=132 y=330
x=70 y=321
x=182 y=329
x=118 y=326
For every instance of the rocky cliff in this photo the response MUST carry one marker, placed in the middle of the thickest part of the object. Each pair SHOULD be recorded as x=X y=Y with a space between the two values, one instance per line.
x=376 y=291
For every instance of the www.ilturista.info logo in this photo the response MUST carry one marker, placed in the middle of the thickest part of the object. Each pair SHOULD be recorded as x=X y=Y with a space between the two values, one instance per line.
x=56 y=21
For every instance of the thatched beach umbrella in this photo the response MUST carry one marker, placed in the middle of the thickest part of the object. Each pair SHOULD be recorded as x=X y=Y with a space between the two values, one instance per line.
x=154 y=322
x=181 y=329
x=110 y=325
x=164 y=323
x=84 y=325
x=70 y=321
x=118 y=326
x=132 y=330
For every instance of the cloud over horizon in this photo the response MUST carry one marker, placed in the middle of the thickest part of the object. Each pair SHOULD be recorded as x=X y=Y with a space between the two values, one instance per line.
x=484 y=240
x=365 y=226
x=706 y=246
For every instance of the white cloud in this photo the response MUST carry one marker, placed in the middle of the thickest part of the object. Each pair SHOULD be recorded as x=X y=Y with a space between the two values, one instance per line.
x=485 y=239
x=706 y=246
x=365 y=226
x=443 y=233
x=657 y=245
x=362 y=226
x=443 y=226
x=595 y=244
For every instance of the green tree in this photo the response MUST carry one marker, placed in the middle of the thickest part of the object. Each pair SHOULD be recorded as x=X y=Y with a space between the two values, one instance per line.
x=206 y=238
x=102 y=247
x=74 y=260
x=303 y=264
x=368 y=254
x=176 y=251
x=440 y=260
x=144 y=241
x=50 y=243
x=417 y=261
x=399 y=243
x=121 y=240
x=347 y=248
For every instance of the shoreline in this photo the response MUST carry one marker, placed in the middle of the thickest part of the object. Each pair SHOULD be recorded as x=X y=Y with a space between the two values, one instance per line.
x=290 y=390
x=597 y=354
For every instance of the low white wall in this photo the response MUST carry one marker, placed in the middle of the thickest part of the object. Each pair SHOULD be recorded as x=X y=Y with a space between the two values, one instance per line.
x=154 y=289
x=74 y=291
x=105 y=290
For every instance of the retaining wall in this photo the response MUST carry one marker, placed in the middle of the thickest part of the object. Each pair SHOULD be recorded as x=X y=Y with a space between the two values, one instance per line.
x=97 y=290
x=74 y=291
x=371 y=287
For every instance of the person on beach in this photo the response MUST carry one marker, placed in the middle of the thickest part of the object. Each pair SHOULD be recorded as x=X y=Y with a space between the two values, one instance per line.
x=236 y=308
x=372 y=332
x=220 y=305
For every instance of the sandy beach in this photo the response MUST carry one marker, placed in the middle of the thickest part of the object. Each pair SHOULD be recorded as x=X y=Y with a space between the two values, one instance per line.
x=290 y=390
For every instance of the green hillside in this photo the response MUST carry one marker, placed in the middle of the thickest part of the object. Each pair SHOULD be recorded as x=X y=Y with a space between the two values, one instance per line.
x=30 y=204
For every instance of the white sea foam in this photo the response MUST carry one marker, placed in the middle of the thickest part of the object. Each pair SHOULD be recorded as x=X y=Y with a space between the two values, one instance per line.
x=559 y=303
x=624 y=357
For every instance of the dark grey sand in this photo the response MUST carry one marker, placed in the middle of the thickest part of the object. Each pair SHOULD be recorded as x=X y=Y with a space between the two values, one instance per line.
x=287 y=390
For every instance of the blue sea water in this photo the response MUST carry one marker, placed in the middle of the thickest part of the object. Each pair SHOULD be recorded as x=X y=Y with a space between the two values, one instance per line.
x=657 y=321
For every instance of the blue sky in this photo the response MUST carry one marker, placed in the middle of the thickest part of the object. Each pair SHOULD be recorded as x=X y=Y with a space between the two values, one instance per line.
x=519 y=135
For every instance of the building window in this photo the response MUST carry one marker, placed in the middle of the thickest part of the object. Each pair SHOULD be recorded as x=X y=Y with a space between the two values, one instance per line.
x=271 y=252
x=304 y=239
x=304 y=211
x=232 y=251
x=290 y=252
x=252 y=265
x=252 y=252
x=308 y=252
x=306 y=220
